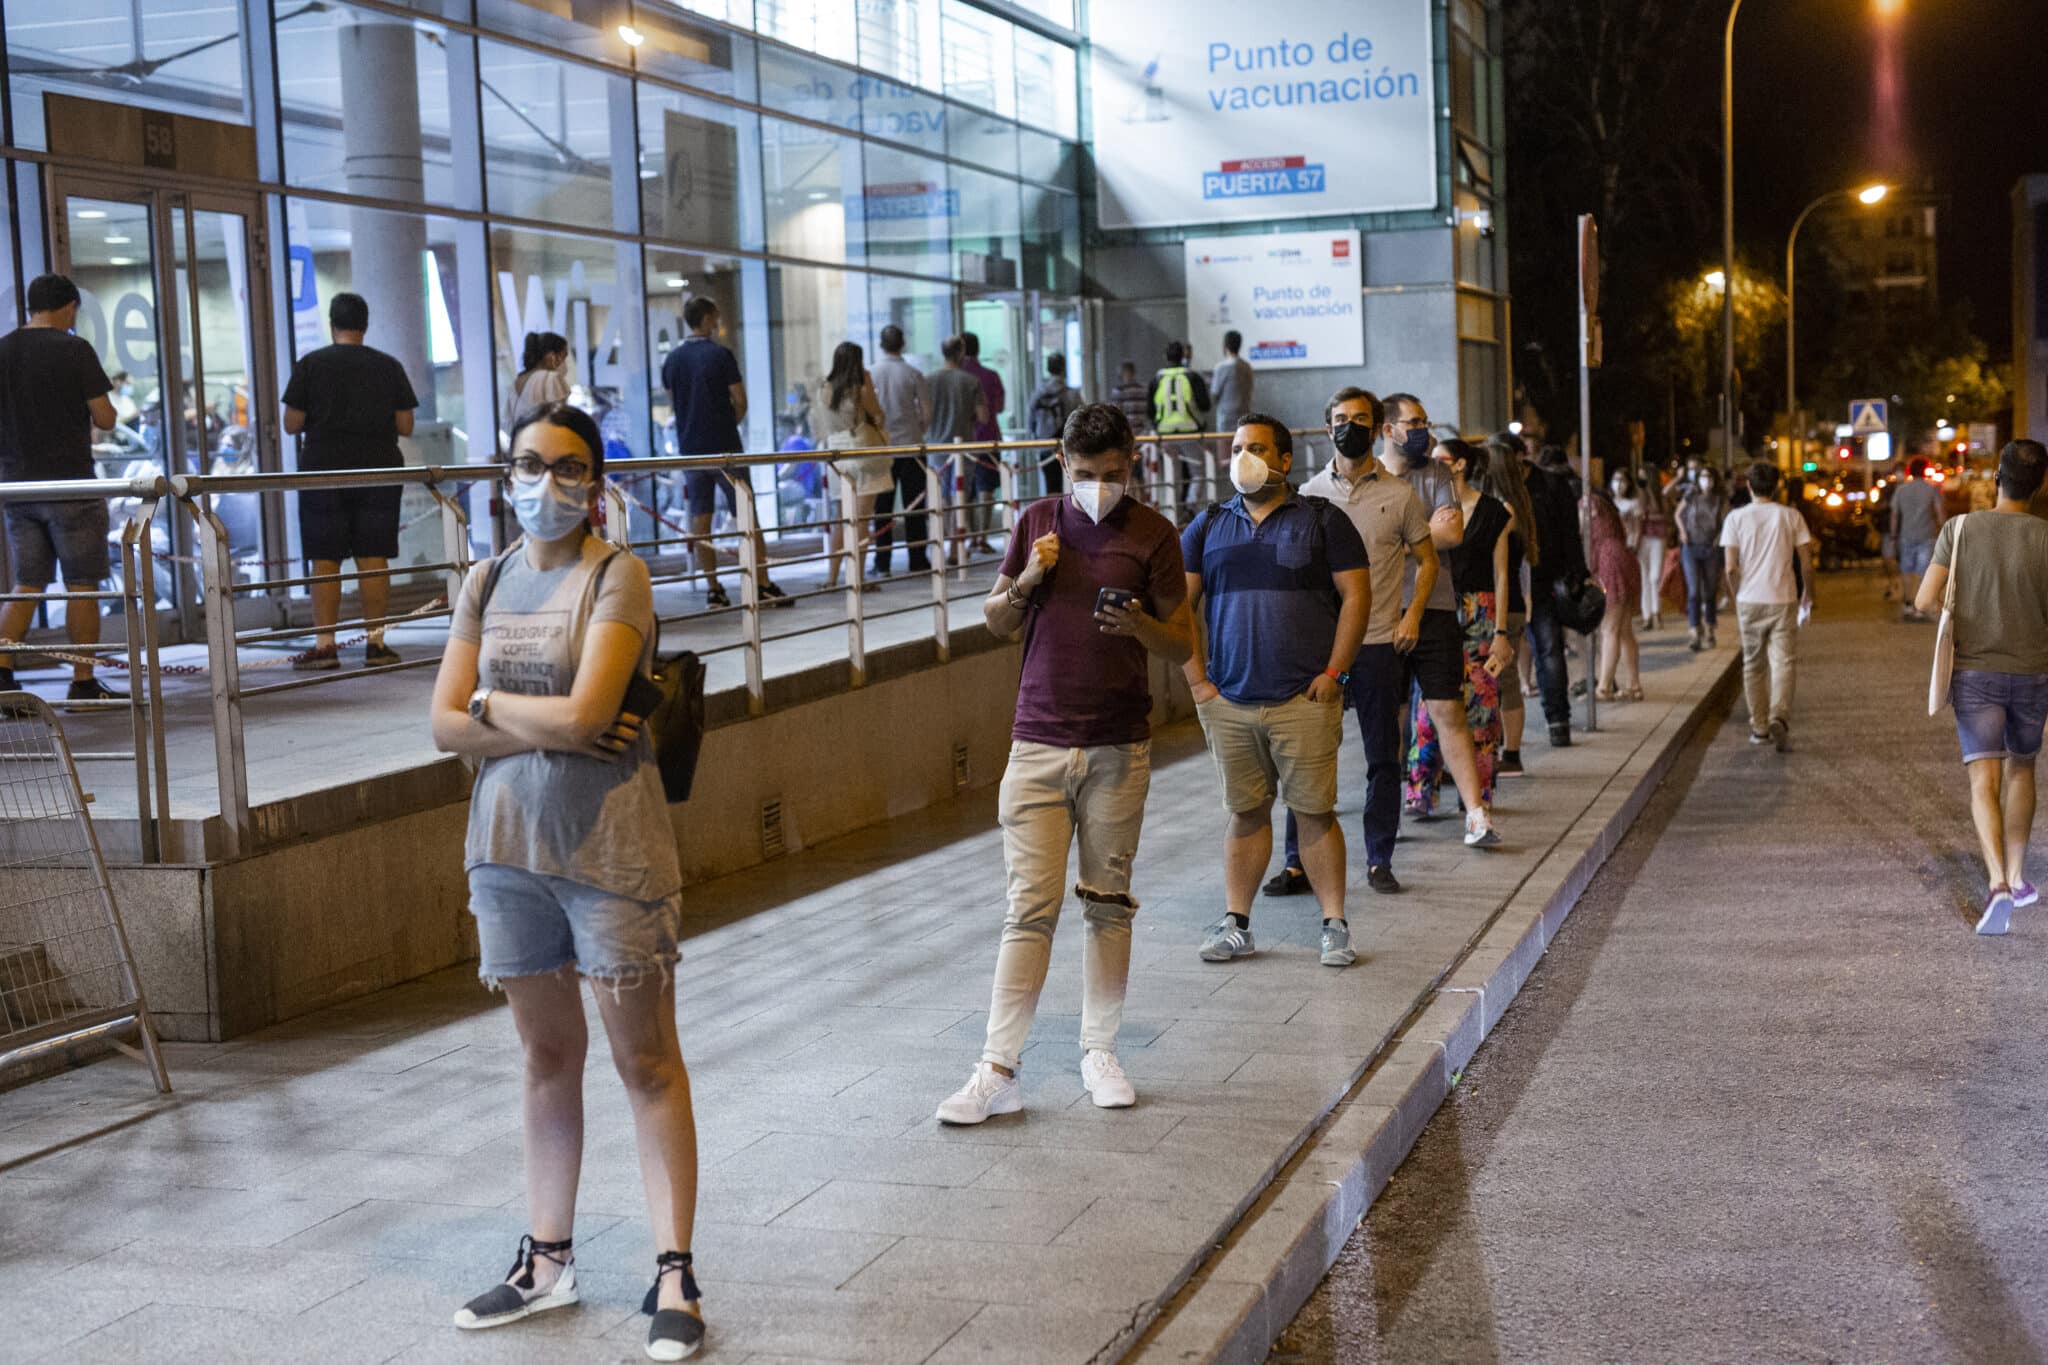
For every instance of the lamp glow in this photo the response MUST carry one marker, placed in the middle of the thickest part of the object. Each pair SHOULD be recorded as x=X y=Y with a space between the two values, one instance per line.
x=630 y=36
x=1871 y=194
x=1714 y=279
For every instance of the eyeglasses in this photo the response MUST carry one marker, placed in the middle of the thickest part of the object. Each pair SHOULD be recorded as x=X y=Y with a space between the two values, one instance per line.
x=1412 y=423
x=570 y=473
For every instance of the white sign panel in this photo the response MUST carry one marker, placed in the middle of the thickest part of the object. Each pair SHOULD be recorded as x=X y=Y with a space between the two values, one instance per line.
x=1218 y=111
x=1294 y=295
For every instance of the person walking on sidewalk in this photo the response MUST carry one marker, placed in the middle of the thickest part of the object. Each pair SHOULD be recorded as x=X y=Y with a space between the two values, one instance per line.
x=350 y=403
x=1479 y=572
x=1612 y=553
x=1700 y=513
x=958 y=407
x=543 y=376
x=1180 y=407
x=1655 y=533
x=847 y=416
x=709 y=400
x=572 y=861
x=1280 y=587
x=1093 y=584
x=1558 y=559
x=1998 y=561
x=1769 y=555
x=906 y=414
x=1231 y=386
x=1502 y=478
x=1052 y=403
x=984 y=472
x=53 y=395
x=1917 y=517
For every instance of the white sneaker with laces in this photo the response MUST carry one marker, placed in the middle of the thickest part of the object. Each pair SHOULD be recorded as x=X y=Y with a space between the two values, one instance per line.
x=1479 y=830
x=988 y=1091
x=1106 y=1082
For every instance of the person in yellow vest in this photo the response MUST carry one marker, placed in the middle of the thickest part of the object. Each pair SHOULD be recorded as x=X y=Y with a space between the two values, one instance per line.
x=1180 y=404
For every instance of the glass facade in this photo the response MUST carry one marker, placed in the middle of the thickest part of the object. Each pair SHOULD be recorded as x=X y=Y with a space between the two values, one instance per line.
x=479 y=169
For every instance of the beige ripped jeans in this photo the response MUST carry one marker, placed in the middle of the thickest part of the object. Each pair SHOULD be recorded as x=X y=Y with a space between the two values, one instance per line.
x=1049 y=796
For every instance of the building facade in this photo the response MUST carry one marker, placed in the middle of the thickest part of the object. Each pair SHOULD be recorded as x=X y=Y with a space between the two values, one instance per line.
x=2030 y=307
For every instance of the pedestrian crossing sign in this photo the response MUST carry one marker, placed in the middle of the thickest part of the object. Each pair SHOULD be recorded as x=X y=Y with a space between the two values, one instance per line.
x=1868 y=416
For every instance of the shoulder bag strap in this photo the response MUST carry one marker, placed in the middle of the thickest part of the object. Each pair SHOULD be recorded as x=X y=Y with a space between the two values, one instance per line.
x=1955 y=555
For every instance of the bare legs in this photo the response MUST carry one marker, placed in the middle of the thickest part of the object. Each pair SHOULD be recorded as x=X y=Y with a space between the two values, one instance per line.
x=2002 y=808
x=1461 y=756
x=640 y=1022
x=1248 y=847
x=81 y=622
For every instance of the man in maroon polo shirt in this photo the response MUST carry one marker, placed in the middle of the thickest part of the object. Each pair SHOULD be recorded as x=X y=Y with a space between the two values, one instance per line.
x=1093 y=583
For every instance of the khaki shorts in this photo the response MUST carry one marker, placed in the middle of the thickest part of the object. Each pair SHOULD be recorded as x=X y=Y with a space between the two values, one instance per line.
x=1289 y=745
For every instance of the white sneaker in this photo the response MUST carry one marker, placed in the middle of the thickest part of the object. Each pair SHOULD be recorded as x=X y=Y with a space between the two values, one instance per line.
x=988 y=1091
x=1106 y=1082
x=1479 y=830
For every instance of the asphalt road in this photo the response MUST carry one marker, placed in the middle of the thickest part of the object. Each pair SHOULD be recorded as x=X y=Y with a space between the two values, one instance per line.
x=1768 y=1098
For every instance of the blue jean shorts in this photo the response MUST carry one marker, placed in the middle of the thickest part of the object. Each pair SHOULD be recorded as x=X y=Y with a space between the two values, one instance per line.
x=530 y=925
x=1916 y=556
x=1999 y=715
x=704 y=489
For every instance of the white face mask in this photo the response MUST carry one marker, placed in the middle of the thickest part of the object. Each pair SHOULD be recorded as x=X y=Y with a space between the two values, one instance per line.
x=1098 y=499
x=1248 y=473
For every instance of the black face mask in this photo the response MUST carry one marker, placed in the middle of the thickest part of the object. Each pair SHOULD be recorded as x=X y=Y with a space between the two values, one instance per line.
x=1352 y=439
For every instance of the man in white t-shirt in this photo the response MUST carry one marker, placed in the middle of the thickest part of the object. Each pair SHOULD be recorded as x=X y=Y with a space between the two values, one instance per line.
x=1770 y=571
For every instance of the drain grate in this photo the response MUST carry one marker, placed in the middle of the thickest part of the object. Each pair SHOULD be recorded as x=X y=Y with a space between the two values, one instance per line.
x=959 y=767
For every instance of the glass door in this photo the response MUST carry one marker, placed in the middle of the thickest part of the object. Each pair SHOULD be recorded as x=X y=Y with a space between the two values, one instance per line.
x=170 y=283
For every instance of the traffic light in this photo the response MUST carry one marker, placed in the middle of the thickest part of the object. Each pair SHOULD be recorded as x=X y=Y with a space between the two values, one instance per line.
x=1844 y=452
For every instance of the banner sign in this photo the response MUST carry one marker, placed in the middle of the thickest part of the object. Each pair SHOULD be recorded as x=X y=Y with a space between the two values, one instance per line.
x=1294 y=295
x=1232 y=112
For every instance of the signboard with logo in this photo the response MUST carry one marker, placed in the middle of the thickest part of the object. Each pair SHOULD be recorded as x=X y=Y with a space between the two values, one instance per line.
x=1228 y=112
x=1295 y=296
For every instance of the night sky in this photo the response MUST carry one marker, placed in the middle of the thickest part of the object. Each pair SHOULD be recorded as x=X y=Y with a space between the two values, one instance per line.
x=1971 y=114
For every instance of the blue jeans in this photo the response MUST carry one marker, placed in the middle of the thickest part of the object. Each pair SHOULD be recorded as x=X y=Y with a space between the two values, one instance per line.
x=1546 y=646
x=1702 y=584
x=1375 y=693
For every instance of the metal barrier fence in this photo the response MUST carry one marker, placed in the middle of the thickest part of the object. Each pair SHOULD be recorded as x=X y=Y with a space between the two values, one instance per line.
x=66 y=971
x=1177 y=473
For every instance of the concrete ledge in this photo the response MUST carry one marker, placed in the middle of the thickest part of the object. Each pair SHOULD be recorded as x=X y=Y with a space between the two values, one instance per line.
x=1238 y=1302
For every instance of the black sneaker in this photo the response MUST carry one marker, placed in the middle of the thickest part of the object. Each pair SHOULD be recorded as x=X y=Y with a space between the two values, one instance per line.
x=1781 y=735
x=1289 y=882
x=714 y=596
x=377 y=654
x=1381 y=879
x=7 y=682
x=323 y=659
x=1560 y=736
x=1510 y=764
x=773 y=596
x=92 y=689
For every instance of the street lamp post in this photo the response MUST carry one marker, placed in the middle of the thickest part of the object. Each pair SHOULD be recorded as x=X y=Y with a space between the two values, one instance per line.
x=1869 y=194
x=1728 y=240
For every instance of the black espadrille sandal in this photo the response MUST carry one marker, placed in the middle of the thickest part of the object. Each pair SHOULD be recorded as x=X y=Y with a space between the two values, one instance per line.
x=516 y=1298
x=674 y=1334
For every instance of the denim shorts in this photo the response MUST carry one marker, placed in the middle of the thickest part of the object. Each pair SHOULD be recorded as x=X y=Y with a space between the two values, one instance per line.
x=703 y=489
x=1999 y=715
x=42 y=535
x=1916 y=556
x=529 y=925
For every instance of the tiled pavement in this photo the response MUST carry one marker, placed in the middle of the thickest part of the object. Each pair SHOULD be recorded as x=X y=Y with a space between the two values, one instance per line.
x=329 y=1190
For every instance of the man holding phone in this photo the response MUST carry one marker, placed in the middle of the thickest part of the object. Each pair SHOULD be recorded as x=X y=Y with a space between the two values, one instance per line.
x=1092 y=583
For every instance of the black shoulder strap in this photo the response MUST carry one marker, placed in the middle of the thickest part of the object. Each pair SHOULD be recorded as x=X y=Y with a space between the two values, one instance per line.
x=491 y=577
x=1204 y=522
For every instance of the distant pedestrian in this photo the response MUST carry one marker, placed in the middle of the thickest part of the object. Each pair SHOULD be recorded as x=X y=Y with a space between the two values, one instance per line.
x=1650 y=543
x=1769 y=556
x=906 y=413
x=958 y=406
x=1052 y=403
x=1131 y=395
x=1093 y=585
x=1917 y=516
x=572 y=862
x=1619 y=674
x=1502 y=478
x=1997 y=563
x=1180 y=407
x=1557 y=560
x=847 y=416
x=1231 y=386
x=1279 y=584
x=53 y=395
x=350 y=402
x=543 y=376
x=1700 y=513
x=984 y=472
x=709 y=400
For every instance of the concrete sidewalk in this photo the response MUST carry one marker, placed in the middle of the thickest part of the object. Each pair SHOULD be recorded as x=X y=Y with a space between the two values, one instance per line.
x=331 y=1189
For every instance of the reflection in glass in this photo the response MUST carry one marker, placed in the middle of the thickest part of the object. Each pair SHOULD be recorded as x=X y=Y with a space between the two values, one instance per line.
x=1052 y=241
x=1047 y=96
x=111 y=250
x=342 y=132
x=987 y=236
x=807 y=175
x=821 y=26
x=900 y=38
x=980 y=62
x=908 y=208
x=160 y=54
x=549 y=136
x=982 y=139
x=698 y=169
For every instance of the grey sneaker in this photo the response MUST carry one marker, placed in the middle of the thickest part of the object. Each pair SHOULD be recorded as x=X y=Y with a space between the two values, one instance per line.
x=1337 y=944
x=1226 y=941
x=1997 y=916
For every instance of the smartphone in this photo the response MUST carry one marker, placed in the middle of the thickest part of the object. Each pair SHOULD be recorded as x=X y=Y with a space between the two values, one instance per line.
x=643 y=694
x=1115 y=597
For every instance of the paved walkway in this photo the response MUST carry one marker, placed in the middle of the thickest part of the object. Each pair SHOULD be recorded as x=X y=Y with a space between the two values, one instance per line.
x=1767 y=1098
x=330 y=1189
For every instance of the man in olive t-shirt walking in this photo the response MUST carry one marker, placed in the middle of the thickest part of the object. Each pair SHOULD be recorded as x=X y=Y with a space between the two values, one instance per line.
x=1999 y=689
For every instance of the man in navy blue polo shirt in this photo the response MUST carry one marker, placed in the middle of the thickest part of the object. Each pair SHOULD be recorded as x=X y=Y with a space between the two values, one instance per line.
x=709 y=400
x=1280 y=590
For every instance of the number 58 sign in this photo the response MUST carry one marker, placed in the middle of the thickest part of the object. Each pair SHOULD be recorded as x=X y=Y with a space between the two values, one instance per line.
x=159 y=140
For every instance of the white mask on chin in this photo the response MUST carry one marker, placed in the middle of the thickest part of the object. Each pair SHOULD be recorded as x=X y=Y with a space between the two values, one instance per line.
x=1248 y=473
x=1098 y=499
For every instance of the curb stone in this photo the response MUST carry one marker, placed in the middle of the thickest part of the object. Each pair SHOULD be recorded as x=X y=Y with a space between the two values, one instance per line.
x=1236 y=1305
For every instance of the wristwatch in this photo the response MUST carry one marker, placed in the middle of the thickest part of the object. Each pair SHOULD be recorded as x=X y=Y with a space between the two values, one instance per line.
x=1341 y=679
x=480 y=706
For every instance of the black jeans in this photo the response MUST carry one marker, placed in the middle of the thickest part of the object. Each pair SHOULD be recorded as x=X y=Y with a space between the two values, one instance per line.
x=1546 y=646
x=910 y=489
x=1378 y=687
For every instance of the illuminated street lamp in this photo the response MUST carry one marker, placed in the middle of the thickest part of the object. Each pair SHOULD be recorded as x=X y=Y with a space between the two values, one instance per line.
x=1714 y=279
x=1869 y=194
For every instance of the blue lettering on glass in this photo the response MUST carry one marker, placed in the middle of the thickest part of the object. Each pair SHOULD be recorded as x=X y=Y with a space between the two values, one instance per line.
x=1279 y=350
x=1345 y=49
x=878 y=208
x=1251 y=184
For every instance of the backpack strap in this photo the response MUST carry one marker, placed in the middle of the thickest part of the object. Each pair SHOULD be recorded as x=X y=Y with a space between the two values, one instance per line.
x=492 y=575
